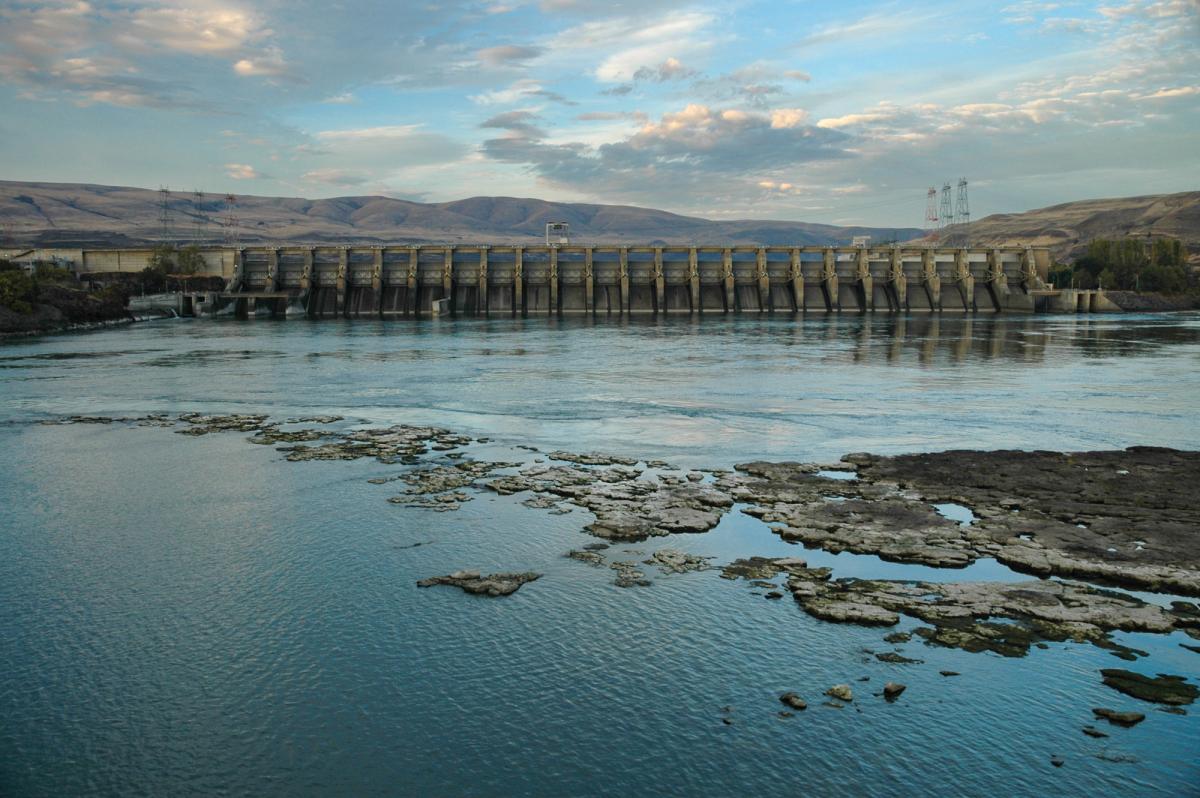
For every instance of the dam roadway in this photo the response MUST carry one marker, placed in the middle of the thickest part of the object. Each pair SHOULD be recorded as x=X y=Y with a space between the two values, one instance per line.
x=506 y=279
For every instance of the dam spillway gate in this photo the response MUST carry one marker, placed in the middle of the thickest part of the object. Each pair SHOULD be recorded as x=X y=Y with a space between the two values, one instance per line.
x=410 y=281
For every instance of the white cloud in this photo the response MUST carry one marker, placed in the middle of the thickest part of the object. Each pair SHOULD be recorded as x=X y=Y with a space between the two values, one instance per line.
x=241 y=171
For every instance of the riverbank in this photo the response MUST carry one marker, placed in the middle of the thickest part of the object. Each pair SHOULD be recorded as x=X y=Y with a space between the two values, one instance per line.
x=1149 y=302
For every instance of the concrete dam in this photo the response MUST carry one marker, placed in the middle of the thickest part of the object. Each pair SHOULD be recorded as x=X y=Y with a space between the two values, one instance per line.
x=410 y=280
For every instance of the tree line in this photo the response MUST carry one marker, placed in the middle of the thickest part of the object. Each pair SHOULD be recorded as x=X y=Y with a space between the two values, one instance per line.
x=1130 y=264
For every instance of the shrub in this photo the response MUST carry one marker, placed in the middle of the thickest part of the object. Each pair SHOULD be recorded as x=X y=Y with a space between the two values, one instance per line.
x=16 y=291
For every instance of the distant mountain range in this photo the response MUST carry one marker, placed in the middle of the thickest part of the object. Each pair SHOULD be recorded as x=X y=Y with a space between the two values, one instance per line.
x=79 y=214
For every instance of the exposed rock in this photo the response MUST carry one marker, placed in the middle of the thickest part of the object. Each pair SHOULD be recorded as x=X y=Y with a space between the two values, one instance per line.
x=399 y=444
x=774 y=594
x=1092 y=731
x=315 y=420
x=960 y=613
x=673 y=561
x=898 y=637
x=270 y=435
x=950 y=673
x=763 y=568
x=199 y=424
x=1163 y=689
x=501 y=584
x=841 y=692
x=592 y=458
x=1119 y=718
x=628 y=574
x=892 y=690
x=626 y=506
x=1057 y=761
x=1123 y=517
x=589 y=557
x=794 y=701
x=896 y=659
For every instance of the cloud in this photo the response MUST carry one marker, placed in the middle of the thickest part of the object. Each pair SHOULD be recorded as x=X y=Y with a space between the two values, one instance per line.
x=270 y=65
x=193 y=30
x=508 y=55
x=671 y=69
x=345 y=98
x=335 y=177
x=241 y=171
x=517 y=122
x=684 y=151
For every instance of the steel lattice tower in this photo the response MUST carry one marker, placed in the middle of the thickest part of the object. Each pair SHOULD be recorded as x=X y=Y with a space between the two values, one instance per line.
x=931 y=212
x=164 y=212
x=946 y=210
x=962 y=211
x=201 y=220
x=231 y=222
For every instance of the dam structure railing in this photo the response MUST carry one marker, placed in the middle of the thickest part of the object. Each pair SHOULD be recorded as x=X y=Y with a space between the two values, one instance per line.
x=508 y=279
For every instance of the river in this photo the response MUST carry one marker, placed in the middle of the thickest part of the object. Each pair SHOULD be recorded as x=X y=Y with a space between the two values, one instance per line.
x=186 y=615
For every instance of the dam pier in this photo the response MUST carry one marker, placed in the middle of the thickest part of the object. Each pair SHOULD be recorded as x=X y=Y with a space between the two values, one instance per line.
x=508 y=279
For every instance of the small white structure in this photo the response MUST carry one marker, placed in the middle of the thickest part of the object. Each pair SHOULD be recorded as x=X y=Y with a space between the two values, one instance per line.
x=558 y=233
x=860 y=241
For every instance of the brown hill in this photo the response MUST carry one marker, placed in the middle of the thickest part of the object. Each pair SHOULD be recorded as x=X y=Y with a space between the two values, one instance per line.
x=1066 y=229
x=71 y=214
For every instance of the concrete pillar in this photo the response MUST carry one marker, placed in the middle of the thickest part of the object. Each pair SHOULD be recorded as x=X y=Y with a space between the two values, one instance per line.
x=589 y=286
x=272 y=270
x=964 y=278
x=660 y=288
x=796 y=275
x=623 y=257
x=764 y=280
x=481 y=298
x=727 y=277
x=996 y=275
x=829 y=280
x=1029 y=275
x=306 y=271
x=553 y=280
x=518 y=281
x=448 y=277
x=866 y=285
x=377 y=274
x=413 y=277
x=898 y=280
x=235 y=282
x=694 y=279
x=931 y=281
x=343 y=267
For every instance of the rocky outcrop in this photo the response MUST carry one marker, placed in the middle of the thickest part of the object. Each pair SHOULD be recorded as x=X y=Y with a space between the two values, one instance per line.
x=1121 y=517
x=1163 y=689
x=500 y=584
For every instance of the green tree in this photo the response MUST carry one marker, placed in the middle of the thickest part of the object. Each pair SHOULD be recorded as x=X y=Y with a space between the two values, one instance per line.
x=17 y=291
x=190 y=261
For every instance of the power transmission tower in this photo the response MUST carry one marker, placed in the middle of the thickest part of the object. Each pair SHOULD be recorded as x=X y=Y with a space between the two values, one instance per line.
x=946 y=210
x=201 y=231
x=931 y=213
x=231 y=221
x=962 y=211
x=164 y=213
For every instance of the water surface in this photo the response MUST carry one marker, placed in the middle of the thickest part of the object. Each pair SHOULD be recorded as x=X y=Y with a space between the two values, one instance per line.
x=196 y=615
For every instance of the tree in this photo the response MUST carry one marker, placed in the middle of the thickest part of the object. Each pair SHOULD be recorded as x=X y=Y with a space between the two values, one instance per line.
x=190 y=261
x=17 y=291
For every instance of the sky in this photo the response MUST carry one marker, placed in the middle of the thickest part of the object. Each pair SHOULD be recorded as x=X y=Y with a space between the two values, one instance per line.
x=842 y=113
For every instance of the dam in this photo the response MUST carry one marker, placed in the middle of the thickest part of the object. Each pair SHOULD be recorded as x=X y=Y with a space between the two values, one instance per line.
x=512 y=279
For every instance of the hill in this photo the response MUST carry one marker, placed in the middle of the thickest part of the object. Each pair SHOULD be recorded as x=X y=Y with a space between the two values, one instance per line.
x=78 y=214
x=1066 y=229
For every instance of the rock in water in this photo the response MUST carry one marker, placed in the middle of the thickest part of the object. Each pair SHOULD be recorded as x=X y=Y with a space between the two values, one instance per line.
x=489 y=585
x=892 y=690
x=1057 y=761
x=1163 y=689
x=1092 y=731
x=1119 y=718
x=842 y=692
x=794 y=701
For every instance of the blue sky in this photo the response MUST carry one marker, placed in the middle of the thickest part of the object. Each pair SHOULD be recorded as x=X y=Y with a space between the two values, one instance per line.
x=832 y=112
